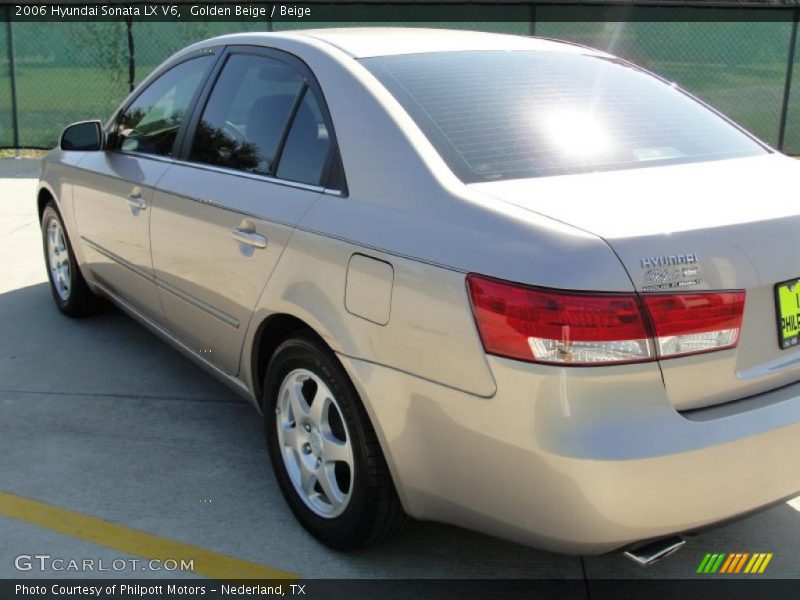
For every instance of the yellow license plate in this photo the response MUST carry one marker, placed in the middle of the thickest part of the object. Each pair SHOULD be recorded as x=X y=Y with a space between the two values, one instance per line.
x=787 y=298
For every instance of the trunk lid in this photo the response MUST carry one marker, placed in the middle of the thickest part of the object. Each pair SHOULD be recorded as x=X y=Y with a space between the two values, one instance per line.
x=721 y=225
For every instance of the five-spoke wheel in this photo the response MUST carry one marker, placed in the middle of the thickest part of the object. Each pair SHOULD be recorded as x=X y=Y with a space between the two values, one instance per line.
x=324 y=451
x=58 y=259
x=70 y=291
x=315 y=444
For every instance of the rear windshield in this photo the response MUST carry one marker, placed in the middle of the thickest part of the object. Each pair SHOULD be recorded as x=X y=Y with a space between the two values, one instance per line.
x=505 y=115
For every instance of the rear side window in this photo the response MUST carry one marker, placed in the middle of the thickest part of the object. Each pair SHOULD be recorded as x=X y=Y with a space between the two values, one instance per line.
x=503 y=115
x=308 y=144
x=246 y=114
x=151 y=123
x=262 y=117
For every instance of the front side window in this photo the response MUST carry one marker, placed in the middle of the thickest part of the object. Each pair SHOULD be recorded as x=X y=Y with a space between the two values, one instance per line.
x=505 y=115
x=263 y=118
x=150 y=124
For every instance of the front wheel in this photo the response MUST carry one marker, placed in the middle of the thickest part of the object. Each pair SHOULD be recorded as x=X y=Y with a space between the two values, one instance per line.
x=70 y=292
x=324 y=451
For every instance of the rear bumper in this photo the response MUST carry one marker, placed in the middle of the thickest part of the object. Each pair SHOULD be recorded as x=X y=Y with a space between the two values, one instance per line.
x=579 y=460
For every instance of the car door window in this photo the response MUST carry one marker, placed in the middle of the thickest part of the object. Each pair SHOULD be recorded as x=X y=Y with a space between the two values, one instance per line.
x=307 y=146
x=150 y=124
x=244 y=120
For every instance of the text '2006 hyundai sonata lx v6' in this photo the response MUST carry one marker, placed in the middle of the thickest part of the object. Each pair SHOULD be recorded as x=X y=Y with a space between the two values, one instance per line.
x=512 y=284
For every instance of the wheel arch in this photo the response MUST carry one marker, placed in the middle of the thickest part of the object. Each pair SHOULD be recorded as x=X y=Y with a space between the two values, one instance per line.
x=276 y=328
x=44 y=195
x=271 y=333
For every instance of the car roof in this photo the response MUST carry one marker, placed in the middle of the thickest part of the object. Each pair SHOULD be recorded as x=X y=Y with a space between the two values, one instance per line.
x=364 y=42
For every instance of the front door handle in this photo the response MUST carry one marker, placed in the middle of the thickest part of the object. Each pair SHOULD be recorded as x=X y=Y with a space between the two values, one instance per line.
x=249 y=237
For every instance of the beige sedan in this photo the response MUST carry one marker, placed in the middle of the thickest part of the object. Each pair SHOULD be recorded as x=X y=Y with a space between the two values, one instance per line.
x=513 y=284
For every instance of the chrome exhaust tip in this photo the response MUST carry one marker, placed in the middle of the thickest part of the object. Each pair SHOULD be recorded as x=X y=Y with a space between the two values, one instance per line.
x=654 y=551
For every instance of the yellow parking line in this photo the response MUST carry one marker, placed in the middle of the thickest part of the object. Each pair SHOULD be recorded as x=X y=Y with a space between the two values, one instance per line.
x=130 y=541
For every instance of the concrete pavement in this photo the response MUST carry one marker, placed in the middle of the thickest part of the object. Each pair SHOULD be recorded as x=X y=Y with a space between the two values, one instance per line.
x=100 y=417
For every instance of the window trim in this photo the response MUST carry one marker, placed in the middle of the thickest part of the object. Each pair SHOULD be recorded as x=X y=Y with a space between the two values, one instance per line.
x=258 y=176
x=287 y=128
x=199 y=103
x=112 y=131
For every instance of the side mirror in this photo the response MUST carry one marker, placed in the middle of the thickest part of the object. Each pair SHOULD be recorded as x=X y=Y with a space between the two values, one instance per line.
x=86 y=136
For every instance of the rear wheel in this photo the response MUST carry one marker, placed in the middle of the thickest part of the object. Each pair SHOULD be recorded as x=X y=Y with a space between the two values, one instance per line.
x=324 y=451
x=70 y=292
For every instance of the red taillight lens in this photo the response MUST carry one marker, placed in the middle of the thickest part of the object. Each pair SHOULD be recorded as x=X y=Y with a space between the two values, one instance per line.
x=691 y=323
x=560 y=327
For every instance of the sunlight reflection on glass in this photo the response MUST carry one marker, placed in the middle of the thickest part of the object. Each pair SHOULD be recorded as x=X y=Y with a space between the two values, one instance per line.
x=577 y=133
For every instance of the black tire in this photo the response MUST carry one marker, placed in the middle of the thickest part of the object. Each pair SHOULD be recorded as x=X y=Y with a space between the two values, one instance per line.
x=374 y=512
x=79 y=301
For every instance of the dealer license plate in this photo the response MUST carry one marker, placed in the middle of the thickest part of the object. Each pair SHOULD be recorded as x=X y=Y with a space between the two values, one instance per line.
x=787 y=300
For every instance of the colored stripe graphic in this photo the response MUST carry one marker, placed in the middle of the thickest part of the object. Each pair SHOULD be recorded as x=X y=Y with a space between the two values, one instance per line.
x=727 y=564
x=764 y=564
x=735 y=568
x=754 y=563
x=729 y=567
x=711 y=562
x=703 y=563
x=717 y=564
x=741 y=562
x=734 y=563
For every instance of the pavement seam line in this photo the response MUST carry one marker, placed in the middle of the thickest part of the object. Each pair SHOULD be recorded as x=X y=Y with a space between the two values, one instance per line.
x=132 y=541
x=7 y=233
x=215 y=400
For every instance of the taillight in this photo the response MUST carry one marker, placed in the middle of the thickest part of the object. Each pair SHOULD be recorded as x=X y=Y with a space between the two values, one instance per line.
x=561 y=327
x=692 y=323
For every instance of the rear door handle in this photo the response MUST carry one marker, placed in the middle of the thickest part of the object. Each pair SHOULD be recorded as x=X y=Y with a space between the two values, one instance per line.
x=249 y=237
x=136 y=201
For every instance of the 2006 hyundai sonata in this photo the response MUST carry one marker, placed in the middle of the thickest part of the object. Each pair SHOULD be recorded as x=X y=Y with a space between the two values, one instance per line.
x=513 y=284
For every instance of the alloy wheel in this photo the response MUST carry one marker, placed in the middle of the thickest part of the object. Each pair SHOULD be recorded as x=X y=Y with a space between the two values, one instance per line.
x=314 y=443
x=58 y=259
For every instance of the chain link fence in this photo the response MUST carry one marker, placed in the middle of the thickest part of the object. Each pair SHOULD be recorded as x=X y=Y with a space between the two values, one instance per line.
x=65 y=72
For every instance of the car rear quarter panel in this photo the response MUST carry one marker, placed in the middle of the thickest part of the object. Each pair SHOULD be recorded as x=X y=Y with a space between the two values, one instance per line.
x=430 y=332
